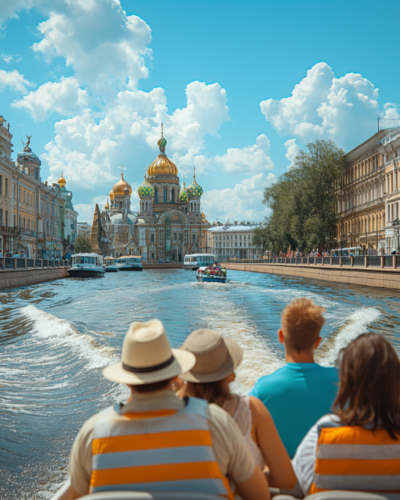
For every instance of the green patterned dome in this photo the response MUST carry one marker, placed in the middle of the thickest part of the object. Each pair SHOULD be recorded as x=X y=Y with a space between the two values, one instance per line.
x=183 y=196
x=145 y=189
x=194 y=190
x=162 y=142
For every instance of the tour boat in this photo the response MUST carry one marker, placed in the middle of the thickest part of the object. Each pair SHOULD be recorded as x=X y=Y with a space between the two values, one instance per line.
x=110 y=265
x=195 y=260
x=86 y=265
x=204 y=277
x=130 y=263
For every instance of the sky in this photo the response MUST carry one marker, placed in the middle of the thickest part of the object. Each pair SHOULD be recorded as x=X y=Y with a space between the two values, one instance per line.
x=240 y=87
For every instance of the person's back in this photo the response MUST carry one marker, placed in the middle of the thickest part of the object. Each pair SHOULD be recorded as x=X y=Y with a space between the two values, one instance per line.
x=302 y=391
x=357 y=447
x=156 y=441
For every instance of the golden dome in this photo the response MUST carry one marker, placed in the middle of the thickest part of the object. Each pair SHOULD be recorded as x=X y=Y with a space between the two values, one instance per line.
x=120 y=186
x=111 y=195
x=162 y=165
x=107 y=206
x=62 y=181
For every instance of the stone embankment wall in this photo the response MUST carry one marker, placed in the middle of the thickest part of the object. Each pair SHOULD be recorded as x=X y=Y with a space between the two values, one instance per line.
x=14 y=278
x=380 y=277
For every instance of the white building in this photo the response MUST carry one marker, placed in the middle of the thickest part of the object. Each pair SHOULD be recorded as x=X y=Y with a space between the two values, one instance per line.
x=233 y=240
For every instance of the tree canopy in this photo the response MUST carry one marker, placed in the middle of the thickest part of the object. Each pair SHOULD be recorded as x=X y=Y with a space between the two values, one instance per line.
x=82 y=245
x=303 y=201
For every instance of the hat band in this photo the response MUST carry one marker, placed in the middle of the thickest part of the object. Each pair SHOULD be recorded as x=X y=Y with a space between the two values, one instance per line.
x=147 y=369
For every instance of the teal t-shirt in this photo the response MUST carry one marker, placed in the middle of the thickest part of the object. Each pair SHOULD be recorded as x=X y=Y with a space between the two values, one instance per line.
x=297 y=395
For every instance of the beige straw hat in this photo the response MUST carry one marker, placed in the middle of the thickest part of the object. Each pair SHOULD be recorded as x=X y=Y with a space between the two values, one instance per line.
x=147 y=356
x=216 y=356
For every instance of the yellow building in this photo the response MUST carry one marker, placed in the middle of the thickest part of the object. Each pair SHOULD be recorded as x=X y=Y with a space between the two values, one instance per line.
x=361 y=201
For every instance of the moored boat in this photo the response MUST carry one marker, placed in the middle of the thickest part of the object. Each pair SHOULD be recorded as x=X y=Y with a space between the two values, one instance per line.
x=110 y=265
x=86 y=265
x=130 y=263
x=211 y=274
x=193 y=261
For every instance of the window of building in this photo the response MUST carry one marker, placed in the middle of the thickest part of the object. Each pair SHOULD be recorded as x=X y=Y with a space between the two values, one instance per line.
x=34 y=226
x=29 y=223
x=6 y=221
x=165 y=195
x=152 y=238
x=172 y=195
x=1 y=184
x=194 y=238
x=155 y=195
x=15 y=220
x=6 y=187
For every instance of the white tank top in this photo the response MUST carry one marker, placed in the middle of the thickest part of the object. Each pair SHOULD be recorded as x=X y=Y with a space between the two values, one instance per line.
x=239 y=409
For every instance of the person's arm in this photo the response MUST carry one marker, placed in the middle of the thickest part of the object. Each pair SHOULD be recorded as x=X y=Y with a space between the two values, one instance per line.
x=255 y=488
x=270 y=443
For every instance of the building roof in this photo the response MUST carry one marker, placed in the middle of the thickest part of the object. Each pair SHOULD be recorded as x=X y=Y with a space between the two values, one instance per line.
x=234 y=227
x=372 y=142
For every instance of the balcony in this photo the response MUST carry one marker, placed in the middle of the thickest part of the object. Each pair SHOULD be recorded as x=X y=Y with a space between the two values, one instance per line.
x=358 y=208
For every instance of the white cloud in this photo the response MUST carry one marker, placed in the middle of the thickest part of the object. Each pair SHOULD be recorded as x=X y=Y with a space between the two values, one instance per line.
x=89 y=149
x=292 y=150
x=321 y=106
x=248 y=159
x=391 y=111
x=97 y=39
x=242 y=202
x=14 y=80
x=10 y=8
x=64 y=97
x=7 y=58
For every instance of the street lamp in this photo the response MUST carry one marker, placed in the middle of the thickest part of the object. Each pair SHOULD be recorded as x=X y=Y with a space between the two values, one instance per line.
x=396 y=227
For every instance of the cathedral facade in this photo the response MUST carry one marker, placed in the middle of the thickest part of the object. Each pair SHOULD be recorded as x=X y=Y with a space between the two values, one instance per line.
x=168 y=225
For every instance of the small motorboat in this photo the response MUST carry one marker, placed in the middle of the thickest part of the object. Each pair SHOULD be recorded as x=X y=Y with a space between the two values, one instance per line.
x=212 y=274
x=110 y=265
x=86 y=265
x=130 y=263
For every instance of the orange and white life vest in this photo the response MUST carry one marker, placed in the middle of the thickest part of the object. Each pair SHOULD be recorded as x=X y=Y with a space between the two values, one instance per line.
x=162 y=450
x=356 y=458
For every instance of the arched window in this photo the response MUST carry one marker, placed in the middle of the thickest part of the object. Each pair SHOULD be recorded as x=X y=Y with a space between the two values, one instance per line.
x=155 y=195
x=172 y=195
x=174 y=236
x=146 y=205
x=194 y=238
x=165 y=195
x=152 y=238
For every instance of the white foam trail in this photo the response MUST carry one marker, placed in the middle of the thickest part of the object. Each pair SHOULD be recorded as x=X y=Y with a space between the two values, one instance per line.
x=61 y=333
x=259 y=358
x=356 y=324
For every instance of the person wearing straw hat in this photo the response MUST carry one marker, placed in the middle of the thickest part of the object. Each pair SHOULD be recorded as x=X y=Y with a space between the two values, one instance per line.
x=157 y=441
x=217 y=359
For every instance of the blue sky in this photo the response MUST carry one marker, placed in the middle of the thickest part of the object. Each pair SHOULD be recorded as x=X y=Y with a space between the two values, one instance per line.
x=240 y=86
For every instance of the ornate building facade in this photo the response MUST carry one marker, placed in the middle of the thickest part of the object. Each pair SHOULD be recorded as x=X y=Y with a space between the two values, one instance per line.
x=169 y=222
x=367 y=193
x=36 y=219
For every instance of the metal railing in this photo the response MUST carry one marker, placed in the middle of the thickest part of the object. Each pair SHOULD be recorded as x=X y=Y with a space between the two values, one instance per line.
x=358 y=261
x=18 y=263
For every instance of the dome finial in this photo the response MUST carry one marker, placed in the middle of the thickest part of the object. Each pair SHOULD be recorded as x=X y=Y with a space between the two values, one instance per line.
x=194 y=172
x=162 y=142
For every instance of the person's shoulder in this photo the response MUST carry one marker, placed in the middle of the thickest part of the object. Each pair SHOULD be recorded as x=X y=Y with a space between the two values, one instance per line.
x=329 y=371
x=90 y=424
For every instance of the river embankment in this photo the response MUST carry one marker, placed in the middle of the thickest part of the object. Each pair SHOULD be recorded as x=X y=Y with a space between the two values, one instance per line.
x=18 y=272
x=377 y=277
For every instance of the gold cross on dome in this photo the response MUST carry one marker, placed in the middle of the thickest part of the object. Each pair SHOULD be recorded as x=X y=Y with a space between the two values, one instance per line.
x=162 y=130
x=144 y=173
x=194 y=172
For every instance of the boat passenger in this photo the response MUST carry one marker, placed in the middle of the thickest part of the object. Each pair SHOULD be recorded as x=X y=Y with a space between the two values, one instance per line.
x=224 y=272
x=302 y=391
x=157 y=441
x=217 y=358
x=358 y=446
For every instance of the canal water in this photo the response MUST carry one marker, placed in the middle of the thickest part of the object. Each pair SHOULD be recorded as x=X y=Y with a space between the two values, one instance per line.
x=56 y=338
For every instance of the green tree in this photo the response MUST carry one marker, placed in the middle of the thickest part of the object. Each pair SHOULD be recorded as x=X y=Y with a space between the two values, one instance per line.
x=82 y=245
x=303 y=200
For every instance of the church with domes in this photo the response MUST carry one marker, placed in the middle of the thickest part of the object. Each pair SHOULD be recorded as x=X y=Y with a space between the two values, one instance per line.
x=169 y=222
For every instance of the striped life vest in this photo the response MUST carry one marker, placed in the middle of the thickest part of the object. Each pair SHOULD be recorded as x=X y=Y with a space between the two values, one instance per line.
x=355 y=458
x=161 y=450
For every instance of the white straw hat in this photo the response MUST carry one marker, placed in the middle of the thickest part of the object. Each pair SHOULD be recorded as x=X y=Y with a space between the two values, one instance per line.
x=216 y=356
x=147 y=356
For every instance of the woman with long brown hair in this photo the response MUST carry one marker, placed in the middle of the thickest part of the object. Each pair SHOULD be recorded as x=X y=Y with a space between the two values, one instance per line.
x=357 y=448
x=217 y=358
